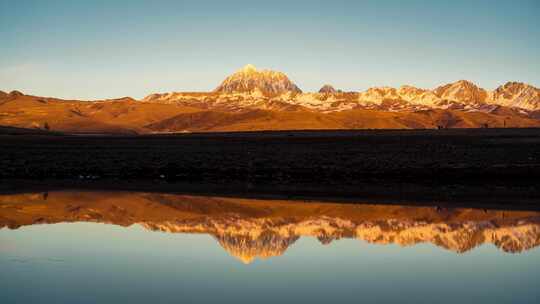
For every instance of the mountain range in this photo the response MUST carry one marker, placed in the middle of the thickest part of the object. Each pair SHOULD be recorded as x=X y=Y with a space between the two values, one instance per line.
x=252 y=99
x=250 y=229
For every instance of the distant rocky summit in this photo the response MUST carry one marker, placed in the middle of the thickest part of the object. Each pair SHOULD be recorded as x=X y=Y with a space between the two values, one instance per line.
x=10 y=96
x=518 y=95
x=463 y=91
x=15 y=93
x=264 y=89
x=249 y=79
x=327 y=89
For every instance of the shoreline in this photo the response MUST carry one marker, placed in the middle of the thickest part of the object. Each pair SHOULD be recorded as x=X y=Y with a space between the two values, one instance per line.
x=484 y=166
x=446 y=196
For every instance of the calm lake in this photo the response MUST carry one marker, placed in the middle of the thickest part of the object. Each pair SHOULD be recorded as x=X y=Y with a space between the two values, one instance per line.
x=116 y=247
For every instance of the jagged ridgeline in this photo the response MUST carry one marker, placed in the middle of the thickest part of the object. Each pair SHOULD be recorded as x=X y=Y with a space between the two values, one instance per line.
x=251 y=99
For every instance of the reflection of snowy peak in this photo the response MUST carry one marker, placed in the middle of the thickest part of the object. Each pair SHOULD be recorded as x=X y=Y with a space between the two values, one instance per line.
x=256 y=229
x=459 y=238
x=247 y=249
x=248 y=239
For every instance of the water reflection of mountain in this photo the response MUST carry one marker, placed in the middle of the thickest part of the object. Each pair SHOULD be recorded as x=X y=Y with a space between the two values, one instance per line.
x=250 y=229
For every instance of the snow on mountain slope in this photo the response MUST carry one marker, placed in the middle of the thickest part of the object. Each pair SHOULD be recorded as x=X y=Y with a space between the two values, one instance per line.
x=462 y=91
x=249 y=79
x=517 y=95
x=250 y=88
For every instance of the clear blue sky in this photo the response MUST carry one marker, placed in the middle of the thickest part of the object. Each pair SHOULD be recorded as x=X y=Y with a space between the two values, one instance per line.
x=101 y=49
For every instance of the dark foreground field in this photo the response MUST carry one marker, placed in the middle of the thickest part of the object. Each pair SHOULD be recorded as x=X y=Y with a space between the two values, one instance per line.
x=477 y=164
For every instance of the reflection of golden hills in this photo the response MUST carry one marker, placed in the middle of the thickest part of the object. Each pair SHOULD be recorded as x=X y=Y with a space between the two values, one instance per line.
x=250 y=229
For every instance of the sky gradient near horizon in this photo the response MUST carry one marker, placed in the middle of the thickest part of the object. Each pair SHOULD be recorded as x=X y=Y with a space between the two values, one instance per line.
x=105 y=49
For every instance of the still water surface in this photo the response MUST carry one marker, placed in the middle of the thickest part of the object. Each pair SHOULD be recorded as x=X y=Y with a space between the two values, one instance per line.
x=110 y=247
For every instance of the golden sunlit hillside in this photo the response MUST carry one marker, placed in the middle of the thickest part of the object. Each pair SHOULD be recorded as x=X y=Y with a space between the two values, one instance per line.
x=126 y=115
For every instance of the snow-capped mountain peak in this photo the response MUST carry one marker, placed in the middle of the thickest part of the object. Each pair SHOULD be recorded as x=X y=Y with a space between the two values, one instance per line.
x=462 y=91
x=518 y=95
x=249 y=78
x=249 y=68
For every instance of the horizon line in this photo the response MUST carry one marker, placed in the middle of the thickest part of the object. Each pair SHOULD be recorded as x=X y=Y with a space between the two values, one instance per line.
x=30 y=93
